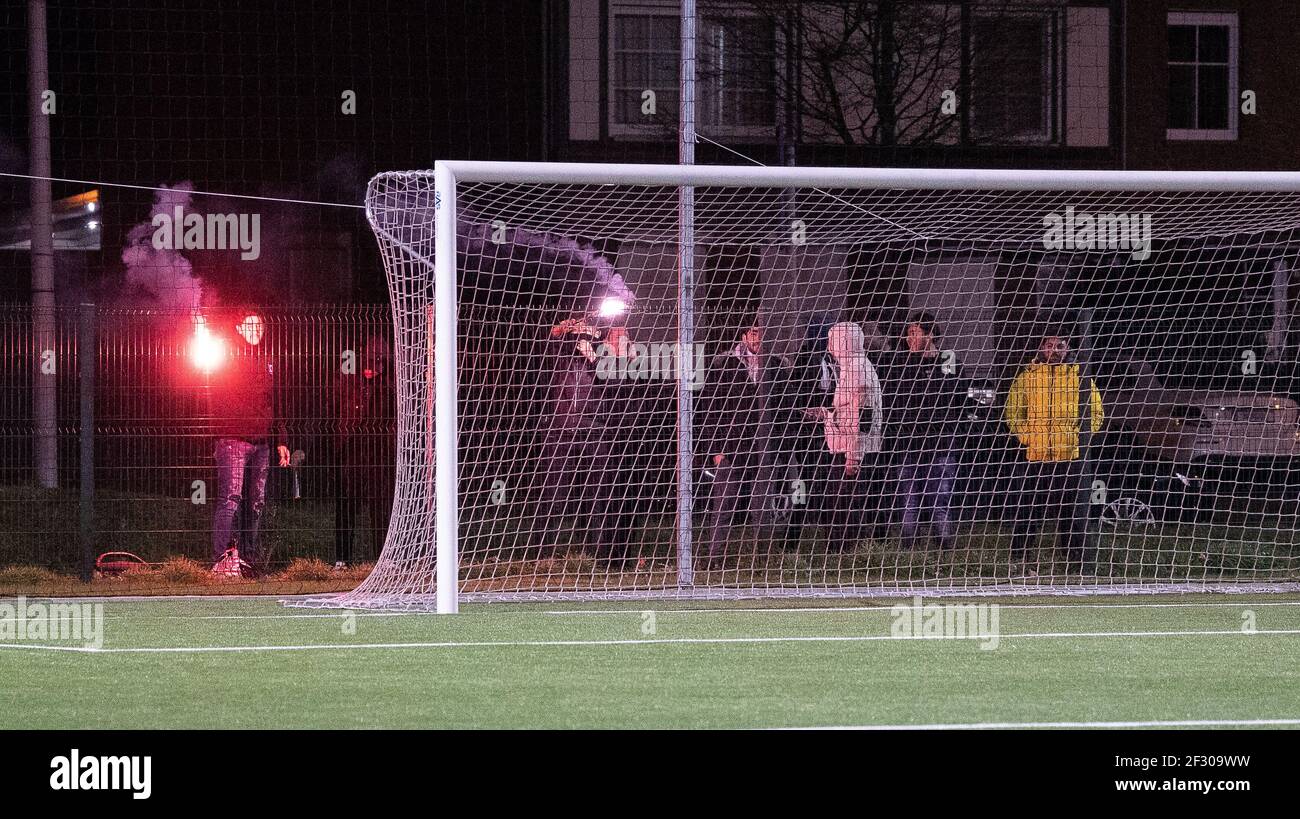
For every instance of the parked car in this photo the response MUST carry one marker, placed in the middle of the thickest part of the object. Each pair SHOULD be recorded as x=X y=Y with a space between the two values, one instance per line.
x=1194 y=454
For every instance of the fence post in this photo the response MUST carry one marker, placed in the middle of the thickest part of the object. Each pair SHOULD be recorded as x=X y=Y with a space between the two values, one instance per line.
x=86 y=355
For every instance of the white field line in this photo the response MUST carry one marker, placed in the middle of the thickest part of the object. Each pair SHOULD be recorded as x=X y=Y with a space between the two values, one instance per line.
x=866 y=638
x=639 y=612
x=979 y=726
x=936 y=601
x=882 y=609
x=158 y=617
x=159 y=598
x=330 y=616
x=886 y=609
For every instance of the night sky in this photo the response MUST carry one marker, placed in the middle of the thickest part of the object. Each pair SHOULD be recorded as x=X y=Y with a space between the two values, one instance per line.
x=245 y=97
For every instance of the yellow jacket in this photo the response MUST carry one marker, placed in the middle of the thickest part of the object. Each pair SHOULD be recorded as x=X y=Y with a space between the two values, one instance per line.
x=1043 y=411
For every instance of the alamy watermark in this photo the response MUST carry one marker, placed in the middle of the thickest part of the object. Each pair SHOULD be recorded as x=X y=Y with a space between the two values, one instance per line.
x=652 y=362
x=1076 y=230
x=82 y=623
x=951 y=621
x=179 y=230
x=76 y=772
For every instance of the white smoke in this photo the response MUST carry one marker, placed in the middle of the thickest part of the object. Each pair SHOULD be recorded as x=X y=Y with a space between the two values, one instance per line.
x=546 y=251
x=165 y=276
x=406 y=215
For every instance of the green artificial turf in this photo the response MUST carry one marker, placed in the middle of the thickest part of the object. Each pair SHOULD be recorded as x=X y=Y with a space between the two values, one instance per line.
x=625 y=668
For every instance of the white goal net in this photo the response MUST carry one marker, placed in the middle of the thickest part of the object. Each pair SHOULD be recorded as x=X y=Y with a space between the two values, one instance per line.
x=746 y=381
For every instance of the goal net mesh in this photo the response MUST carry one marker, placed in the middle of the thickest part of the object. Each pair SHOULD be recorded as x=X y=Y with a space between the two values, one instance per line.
x=887 y=390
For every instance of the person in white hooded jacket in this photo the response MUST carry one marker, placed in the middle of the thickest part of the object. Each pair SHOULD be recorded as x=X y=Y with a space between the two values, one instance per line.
x=849 y=373
x=850 y=381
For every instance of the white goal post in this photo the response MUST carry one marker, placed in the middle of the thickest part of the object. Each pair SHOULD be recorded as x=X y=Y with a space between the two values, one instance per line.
x=901 y=381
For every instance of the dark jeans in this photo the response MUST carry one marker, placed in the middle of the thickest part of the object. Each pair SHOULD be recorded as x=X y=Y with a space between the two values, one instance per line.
x=925 y=484
x=733 y=481
x=1052 y=492
x=844 y=501
x=589 y=487
x=810 y=466
x=242 y=469
x=835 y=501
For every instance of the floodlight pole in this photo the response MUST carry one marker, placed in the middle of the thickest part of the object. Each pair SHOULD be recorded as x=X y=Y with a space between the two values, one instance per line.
x=686 y=302
x=444 y=366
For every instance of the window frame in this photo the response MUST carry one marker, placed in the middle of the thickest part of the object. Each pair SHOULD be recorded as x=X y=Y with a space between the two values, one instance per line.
x=768 y=129
x=625 y=130
x=1231 y=21
x=1054 y=105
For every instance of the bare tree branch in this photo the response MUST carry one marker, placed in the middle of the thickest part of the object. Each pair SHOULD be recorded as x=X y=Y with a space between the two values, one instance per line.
x=871 y=71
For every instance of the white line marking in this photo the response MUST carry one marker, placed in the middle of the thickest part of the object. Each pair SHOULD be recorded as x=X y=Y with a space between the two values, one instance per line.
x=137 y=618
x=938 y=601
x=980 y=726
x=333 y=616
x=867 y=638
x=797 y=610
x=337 y=614
x=162 y=598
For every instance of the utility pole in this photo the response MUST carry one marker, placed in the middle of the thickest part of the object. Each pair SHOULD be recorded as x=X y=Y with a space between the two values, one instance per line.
x=45 y=452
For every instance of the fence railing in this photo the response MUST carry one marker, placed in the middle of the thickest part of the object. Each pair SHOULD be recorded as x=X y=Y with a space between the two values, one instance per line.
x=137 y=431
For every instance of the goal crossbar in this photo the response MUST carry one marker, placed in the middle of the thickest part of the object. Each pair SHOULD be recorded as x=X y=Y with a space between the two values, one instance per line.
x=596 y=173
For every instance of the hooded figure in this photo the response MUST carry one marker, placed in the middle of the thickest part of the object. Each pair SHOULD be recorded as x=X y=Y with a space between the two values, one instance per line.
x=856 y=388
x=848 y=407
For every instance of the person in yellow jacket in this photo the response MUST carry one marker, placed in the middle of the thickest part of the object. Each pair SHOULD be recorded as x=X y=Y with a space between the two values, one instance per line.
x=1043 y=413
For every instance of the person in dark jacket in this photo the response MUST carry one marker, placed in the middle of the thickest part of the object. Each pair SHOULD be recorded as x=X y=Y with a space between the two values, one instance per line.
x=587 y=476
x=365 y=447
x=799 y=437
x=732 y=407
x=242 y=409
x=924 y=401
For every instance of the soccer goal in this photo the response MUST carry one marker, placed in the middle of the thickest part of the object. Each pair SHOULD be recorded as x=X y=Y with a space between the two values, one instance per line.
x=634 y=381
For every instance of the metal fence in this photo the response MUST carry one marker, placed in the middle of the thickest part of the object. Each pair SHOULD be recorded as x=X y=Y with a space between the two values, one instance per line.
x=136 y=435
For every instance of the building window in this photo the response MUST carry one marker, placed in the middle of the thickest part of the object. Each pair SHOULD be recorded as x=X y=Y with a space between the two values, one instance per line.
x=644 y=57
x=734 y=72
x=1015 y=78
x=1202 y=76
